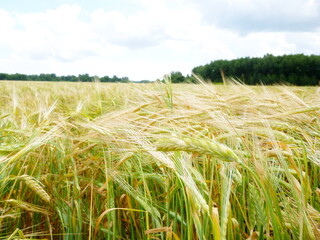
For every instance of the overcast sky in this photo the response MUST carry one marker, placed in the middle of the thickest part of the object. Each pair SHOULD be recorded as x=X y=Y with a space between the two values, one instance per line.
x=145 y=39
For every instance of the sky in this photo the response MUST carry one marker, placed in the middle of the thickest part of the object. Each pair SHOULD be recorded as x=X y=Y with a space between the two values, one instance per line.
x=145 y=39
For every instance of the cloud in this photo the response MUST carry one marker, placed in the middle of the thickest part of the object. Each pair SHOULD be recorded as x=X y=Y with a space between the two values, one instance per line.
x=136 y=31
x=246 y=16
x=55 y=33
x=8 y=20
x=153 y=24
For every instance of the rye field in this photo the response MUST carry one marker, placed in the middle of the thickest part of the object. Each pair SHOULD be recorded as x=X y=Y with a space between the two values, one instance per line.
x=159 y=161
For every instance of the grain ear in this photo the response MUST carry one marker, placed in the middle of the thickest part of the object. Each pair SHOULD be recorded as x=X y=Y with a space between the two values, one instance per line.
x=36 y=186
x=201 y=146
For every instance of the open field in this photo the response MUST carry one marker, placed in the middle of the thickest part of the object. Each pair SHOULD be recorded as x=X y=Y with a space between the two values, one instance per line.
x=155 y=161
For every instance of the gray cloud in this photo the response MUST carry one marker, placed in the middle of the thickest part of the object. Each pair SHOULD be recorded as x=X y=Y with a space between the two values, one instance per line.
x=245 y=16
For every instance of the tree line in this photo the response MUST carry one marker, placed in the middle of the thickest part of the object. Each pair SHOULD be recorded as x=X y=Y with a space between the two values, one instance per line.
x=297 y=69
x=54 y=78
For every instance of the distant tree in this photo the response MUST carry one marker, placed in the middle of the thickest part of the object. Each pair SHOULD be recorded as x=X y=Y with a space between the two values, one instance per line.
x=190 y=79
x=114 y=78
x=69 y=78
x=3 y=76
x=124 y=80
x=177 y=77
x=17 y=76
x=85 y=78
x=105 y=79
x=47 y=77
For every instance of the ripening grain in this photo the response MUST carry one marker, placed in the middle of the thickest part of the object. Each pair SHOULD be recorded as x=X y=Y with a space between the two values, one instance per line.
x=159 y=161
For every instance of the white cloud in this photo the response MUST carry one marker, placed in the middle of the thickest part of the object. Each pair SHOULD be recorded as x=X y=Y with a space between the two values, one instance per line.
x=137 y=31
x=57 y=34
x=150 y=26
x=8 y=20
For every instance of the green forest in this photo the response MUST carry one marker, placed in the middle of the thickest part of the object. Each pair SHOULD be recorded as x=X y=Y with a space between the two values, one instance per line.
x=298 y=69
x=295 y=69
